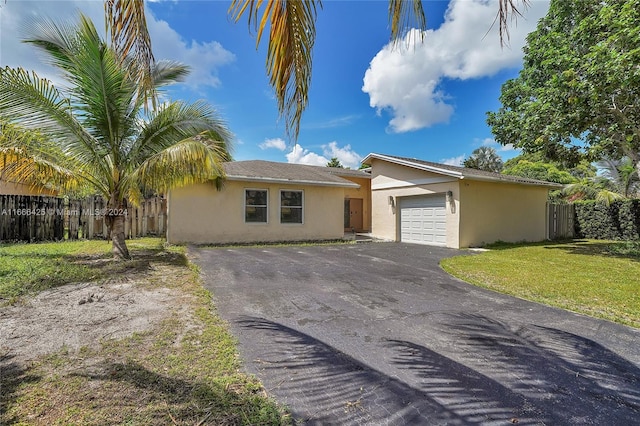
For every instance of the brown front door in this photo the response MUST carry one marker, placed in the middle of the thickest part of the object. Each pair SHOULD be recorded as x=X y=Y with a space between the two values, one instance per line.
x=353 y=214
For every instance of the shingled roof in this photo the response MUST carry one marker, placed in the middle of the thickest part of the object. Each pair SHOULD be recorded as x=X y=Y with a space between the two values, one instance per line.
x=459 y=172
x=273 y=172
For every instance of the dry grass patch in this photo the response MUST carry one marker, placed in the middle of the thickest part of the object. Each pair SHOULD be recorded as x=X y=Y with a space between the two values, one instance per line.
x=182 y=368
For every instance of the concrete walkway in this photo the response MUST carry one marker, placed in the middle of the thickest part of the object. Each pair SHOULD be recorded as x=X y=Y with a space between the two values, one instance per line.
x=378 y=334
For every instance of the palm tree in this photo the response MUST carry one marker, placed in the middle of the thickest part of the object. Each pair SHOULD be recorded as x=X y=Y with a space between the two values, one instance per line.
x=622 y=174
x=291 y=38
x=103 y=136
x=618 y=181
x=599 y=189
x=485 y=158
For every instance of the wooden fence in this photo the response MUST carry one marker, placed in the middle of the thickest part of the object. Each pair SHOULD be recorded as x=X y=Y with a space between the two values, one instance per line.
x=31 y=218
x=561 y=220
x=35 y=218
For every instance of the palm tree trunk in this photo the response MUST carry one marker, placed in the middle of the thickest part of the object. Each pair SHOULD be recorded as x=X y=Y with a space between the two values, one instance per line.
x=120 y=250
x=115 y=225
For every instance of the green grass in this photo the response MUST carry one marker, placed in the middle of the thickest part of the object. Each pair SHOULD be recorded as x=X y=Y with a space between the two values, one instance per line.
x=186 y=370
x=590 y=277
x=28 y=268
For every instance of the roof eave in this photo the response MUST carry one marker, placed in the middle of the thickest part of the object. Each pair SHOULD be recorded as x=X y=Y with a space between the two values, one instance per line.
x=413 y=165
x=353 y=175
x=551 y=185
x=291 y=181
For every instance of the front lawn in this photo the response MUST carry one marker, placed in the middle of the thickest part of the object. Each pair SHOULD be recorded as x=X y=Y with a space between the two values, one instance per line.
x=596 y=278
x=29 y=268
x=182 y=368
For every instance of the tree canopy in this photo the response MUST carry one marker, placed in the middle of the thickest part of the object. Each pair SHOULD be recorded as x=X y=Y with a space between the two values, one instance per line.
x=484 y=158
x=539 y=170
x=334 y=162
x=577 y=95
x=536 y=166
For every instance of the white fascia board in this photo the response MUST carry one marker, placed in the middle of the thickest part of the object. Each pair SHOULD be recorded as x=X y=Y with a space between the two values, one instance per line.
x=291 y=182
x=416 y=182
x=550 y=185
x=414 y=165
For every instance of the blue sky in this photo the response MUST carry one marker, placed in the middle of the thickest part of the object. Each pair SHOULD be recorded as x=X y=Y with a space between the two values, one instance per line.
x=426 y=100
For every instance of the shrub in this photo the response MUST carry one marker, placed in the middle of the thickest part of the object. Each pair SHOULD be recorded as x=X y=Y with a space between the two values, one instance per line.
x=618 y=221
x=629 y=219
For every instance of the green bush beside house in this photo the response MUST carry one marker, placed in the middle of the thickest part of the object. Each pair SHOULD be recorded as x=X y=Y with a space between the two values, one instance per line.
x=618 y=221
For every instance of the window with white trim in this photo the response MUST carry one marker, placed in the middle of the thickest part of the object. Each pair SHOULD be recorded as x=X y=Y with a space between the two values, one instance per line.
x=291 y=206
x=255 y=205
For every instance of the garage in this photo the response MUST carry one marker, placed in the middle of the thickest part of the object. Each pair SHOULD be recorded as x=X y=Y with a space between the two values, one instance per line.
x=423 y=220
x=429 y=203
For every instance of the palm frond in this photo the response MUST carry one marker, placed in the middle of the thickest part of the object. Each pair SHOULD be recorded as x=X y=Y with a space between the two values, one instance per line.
x=403 y=14
x=289 y=53
x=21 y=146
x=178 y=121
x=607 y=197
x=598 y=189
x=128 y=27
x=167 y=72
x=19 y=166
x=58 y=39
x=38 y=105
x=508 y=10
x=622 y=174
x=193 y=160
x=103 y=93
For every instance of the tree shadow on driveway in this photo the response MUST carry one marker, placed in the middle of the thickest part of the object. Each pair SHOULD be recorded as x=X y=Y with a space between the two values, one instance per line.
x=572 y=378
x=533 y=375
x=322 y=385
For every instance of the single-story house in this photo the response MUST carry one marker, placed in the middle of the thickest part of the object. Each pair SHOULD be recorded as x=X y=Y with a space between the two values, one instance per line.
x=269 y=201
x=399 y=199
x=429 y=203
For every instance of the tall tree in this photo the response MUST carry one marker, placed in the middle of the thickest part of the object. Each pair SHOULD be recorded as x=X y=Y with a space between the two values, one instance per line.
x=292 y=34
x=97 y=122
x=484 y=158
x=577 y=95
x=584 y=169
x=334 y=162
x=539 y=170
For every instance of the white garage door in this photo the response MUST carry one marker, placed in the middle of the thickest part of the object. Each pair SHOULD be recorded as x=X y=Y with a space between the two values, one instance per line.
x=423 y=220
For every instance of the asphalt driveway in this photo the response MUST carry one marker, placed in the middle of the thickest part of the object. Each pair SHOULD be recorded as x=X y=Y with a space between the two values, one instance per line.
x=378 y=334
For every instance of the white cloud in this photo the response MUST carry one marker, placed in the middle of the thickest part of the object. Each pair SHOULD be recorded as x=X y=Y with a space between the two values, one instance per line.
x=204 y=58
x=454 y=161
x=16 y=17
x=276 y=143
x=405 y=79
x=300 y=155
x=486 y=141
x=498 y=147
x=334 y=122
x=346 y=156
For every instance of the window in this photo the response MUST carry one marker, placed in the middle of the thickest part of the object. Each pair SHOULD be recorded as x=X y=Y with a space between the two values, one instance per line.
x=290 y=206
x=255 y=205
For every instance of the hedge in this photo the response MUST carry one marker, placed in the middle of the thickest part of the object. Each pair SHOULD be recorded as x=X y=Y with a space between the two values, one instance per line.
x=618 y=221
